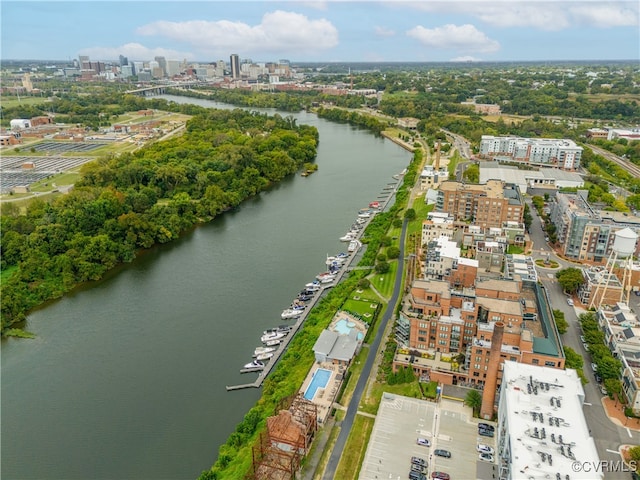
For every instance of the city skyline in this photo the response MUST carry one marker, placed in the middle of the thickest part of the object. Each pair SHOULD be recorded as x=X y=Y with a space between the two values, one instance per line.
x=329 y=31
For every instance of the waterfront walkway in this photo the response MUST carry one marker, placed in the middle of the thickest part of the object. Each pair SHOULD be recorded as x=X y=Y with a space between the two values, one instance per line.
x=344 y=270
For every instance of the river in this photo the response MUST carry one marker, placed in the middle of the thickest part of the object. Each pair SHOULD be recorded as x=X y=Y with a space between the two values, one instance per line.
x=126 y=378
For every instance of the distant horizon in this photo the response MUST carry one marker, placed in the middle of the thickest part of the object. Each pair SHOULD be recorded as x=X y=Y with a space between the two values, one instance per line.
x=324 y=31
x=355 y=62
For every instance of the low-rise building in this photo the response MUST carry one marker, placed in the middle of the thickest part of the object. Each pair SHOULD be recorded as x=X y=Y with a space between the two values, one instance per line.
x=542 y=431
x=561 y=153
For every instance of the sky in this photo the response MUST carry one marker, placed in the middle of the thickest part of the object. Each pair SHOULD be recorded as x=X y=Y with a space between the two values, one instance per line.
x=322 y=31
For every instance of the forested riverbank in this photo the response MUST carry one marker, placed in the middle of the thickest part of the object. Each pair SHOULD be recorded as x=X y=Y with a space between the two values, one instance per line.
x=130 y=202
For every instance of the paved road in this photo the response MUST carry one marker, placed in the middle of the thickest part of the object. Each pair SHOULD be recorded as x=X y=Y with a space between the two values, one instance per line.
x=347 y=423
x=608 y=436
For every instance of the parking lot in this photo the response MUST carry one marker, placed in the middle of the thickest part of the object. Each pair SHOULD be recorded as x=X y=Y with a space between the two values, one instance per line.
x=13 y=174
x=401 y=420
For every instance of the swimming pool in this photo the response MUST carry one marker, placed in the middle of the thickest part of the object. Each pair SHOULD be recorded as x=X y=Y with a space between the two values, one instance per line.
x=319 y=380
x=344 y=326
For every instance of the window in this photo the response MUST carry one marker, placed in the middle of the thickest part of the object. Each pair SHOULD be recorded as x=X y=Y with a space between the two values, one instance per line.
x=422 y=339
x=549 y=364
x=534 y=361
x=422 y=332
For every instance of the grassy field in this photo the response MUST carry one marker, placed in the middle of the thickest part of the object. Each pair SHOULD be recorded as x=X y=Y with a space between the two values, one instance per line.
x=10 y=102
x=384 y=282
x=363 y=305
x=352 y=457
x=508 y=119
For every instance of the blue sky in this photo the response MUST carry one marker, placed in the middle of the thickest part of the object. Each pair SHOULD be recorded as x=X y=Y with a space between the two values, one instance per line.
x=330 y=30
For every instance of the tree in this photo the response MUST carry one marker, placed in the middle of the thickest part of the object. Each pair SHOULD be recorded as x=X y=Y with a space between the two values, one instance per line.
x=570 y=279
x=364 y=283
x=393 y=252
x=382 y=267
x=634 y=455
x=410 y=214
x=473 y=399
x=561 y=323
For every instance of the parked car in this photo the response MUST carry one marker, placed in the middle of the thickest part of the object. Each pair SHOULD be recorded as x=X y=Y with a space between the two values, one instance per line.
x=486 y=426
x=570 y=302
x=418 y=468
x=439 y=452
x=423 y=441
x=486 y=457
x=598 y=378
x=418 y=461
x=603 y=390
x=482 y=448
x=483 y=432
x=582 y=339
x=594 y=367
x=585 y=346
x=417 y=476
x=440 y=475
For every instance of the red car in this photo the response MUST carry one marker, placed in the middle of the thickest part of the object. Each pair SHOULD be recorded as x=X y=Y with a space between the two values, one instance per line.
x=440 y=476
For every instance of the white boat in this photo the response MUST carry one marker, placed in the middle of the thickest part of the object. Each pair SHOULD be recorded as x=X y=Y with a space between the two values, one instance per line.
x=324 y=275
x=263 y=350
x=273 y=343
x=315 y=284
x=264 y=356
x=291 y=313
x=267 y=337
x=255 y=364
x=364 y=215
x=328 y=279
x=348 y=237
x=354 y=246
x=361 y=220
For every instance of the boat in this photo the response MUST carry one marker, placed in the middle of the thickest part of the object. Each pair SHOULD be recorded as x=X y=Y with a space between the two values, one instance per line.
x=267 y=337
x=348 y=237
x=324 y=275
x=314 y=286
x=374 y=205
x=264 y=356
x=304 y=298
x=263 y=350
x=354 y=246
x=361 y=221
x=273 y=343
x=366 y=214
x=255 y=364
x=327 y=279
x=290 y=313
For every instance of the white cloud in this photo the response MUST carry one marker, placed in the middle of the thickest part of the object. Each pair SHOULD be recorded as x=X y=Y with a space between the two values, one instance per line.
x=289 y=32
x=135 y=51
x=466 y=58
x=541 y=14
x=384 y=32
x=463 y=38
x=607 y=15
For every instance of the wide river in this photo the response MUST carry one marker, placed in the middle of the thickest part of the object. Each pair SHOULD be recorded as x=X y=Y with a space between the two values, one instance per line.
x=126 y=378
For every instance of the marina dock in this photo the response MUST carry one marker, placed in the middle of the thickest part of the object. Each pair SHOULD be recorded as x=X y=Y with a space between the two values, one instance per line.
x=344 y=270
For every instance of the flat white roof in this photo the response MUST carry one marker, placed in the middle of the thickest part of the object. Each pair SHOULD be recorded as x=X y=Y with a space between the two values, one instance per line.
x=541 y=409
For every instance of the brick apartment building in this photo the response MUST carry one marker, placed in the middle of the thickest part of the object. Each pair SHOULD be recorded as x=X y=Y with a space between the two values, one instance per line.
x=485 y=205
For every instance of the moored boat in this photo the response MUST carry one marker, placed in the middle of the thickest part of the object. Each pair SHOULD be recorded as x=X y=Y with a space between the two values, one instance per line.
x=273 y=343
x=267 y=337
x=290 y=313
x=264 y=356
x=348 y=237
x=255 y=364
x=354 y=246
x=263 y=350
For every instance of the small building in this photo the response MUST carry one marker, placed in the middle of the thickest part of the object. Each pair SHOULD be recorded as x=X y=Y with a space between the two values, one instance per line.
x=336 y=348
x=20 y=123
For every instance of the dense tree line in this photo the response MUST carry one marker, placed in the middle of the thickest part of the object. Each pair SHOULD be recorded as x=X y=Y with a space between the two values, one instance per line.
x=133 y=201
x=353 y=118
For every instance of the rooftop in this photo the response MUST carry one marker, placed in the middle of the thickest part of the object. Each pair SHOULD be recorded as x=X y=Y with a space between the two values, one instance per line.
x=541 y=409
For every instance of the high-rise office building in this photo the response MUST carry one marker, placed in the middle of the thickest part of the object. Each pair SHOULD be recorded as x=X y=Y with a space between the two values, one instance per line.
x=162 y=63
x=235 y=66
x=123 y=60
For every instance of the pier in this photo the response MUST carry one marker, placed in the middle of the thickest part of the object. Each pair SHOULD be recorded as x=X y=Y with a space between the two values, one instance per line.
x=344 y=270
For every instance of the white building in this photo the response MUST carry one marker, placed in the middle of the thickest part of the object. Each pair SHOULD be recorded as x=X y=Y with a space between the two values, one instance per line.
x=20 y=123
x=622 y=335
x=541 y=427
x=436 y=225
x=561 y=153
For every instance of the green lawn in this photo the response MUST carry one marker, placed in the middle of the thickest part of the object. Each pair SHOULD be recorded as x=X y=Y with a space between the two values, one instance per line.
x=363 y=304
x=352 y=457
x=10 y=102
x=384 y=283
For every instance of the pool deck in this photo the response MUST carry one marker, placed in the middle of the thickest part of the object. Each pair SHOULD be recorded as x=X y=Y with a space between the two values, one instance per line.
x=325 y=397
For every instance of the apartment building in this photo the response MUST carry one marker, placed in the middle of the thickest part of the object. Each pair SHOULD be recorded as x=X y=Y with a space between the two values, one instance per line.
x=485 y=205
x=437 y=225
x=561 y=153
x=446 y=333
x=542 y=431
x=622 y=335
x=585 y=233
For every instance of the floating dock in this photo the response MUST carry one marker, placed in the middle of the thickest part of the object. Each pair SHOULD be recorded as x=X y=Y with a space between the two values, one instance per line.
x=344 y=270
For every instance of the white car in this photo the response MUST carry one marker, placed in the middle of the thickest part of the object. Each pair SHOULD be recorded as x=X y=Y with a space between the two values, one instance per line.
x=423 y=441
x=485 y=457
x=570 y=301
x=482 y=448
